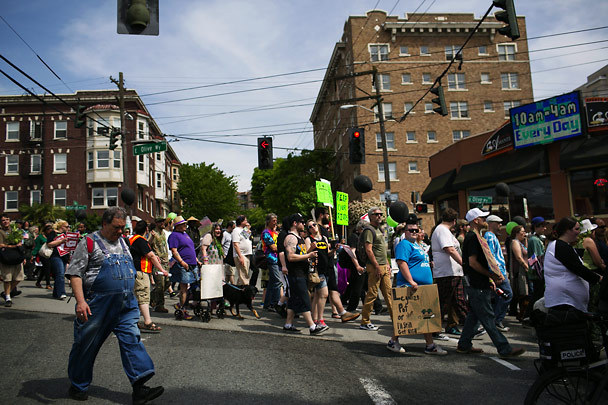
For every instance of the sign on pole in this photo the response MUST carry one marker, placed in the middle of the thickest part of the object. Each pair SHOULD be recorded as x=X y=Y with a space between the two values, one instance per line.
x=146 y=148
x=416 y=311
x=341 y=208
x=480 y=199
x=324 y=194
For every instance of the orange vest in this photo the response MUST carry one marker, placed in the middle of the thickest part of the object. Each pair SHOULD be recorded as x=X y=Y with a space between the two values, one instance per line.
x=145 y=263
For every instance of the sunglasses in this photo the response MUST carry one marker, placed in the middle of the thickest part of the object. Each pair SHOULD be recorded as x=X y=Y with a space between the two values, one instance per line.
x=312 y=226
x=413 y=230
x=378 y=213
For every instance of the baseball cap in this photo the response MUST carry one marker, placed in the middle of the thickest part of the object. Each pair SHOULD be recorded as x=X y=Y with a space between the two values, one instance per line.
x=537 y=220
x=474 y=213
x=493 y=218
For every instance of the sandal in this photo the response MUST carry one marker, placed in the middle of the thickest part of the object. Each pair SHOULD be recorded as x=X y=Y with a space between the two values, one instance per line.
x=149 y=327
x=336 y=316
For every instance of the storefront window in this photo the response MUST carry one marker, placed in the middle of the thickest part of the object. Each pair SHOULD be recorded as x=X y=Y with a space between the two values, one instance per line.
x=450 y=202
x=589 y=196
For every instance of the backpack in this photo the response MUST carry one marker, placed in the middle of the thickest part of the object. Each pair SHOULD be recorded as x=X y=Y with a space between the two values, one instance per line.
x=229 y=259
x=361 y=254
x=259 y=258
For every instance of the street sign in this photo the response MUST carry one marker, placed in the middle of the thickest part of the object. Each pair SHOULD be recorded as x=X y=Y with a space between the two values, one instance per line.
x=480 y=199
x=76 y=206
x=151 y=147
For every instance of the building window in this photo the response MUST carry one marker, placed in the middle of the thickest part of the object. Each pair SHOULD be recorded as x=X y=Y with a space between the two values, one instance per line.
x=35 y=130
x=431 y=136
x=140 y=163
x=60 y=197
x=12 y=164
x=390 y=140
x=412 y=167
x=458 y=135
x=588 y=199
x=159 y=180
x=141 y=130
x=510 y=81
x=61 y=130
x=507 y=105
x=117 y=160
x=174 y=174
x=406 y=78
x=140 y=199
x=385 y=82
x=35 y=164
x=485 y=78
x=488 y=106
x=482 y=50
x=404 y=51
x=410 y=136
x=428 y=108
x=424 y=50
x=35 y=197
x=105 y=197
x=11 y=200
x=392 y=171
x=90 y=161
x=12 y=131
x=60 y=163
x=456 y=81
x=459 y=109
x=450 y=52
x=103 y=159
x=158 y=157
x=387 y=109
x=506 y=52
x=426 y=78
x=407 y=107
x=378 y=52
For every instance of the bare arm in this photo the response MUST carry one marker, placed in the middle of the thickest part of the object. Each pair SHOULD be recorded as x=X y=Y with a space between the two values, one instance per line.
x=178 y=258
x=451 y=250
x=156 y=263
x=475 y=265
x=405 y=272
x=82 y=308
x=518 y=254
x=237 y=249
x=56 y=242
x=283 y=264
x=590 y=245
x=290 y=250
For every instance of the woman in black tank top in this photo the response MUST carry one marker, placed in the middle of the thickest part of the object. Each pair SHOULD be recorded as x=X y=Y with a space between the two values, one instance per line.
x=317 y=242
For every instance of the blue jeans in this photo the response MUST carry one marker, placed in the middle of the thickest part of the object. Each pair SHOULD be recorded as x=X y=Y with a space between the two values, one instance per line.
x=501 y=305
x=58 y=271
x=480 y=303
x=273 y=290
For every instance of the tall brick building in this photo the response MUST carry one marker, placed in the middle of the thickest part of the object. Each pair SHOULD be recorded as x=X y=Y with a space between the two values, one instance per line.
x=48 y=160
x=409 y=54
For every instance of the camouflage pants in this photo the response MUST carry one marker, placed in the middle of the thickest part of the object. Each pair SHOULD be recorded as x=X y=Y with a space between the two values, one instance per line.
x=161 y=284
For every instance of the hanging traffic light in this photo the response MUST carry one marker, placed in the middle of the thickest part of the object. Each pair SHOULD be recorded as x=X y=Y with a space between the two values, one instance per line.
x=422 y=208
x=509 y=17
x=265 y=153
x=80 y=119
x=356 y=146
x=137 y=17
x=439 y=100
x=114 y=138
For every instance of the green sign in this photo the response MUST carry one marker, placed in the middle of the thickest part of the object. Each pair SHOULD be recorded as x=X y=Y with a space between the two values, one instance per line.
x=76 y=206
x=341 y=208
x=152 y=147
x=324 y=194
x=480 y=199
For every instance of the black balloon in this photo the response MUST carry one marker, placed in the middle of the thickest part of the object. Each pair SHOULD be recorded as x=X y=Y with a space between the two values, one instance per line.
x=519 y=220
x=81 y=215
x=363 y=184
x=502 y=189
x=127 y=196
x=398 y=211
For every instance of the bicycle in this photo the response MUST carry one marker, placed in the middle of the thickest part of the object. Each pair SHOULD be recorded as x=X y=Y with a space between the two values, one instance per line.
x=573 y=384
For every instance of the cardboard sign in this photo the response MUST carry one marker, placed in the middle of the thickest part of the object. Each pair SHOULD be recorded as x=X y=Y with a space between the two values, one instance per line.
x=324 y=194
x=69 y=245
x=416 y=312
x=212 y=276
x=341 y=208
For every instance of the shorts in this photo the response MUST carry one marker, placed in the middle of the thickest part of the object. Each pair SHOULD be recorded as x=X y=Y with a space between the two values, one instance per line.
x=12 y=272
x=299 y=299
x=183 y=276
x=229 y=270
x=322 y=284
x=332 y=284
x=142 y=288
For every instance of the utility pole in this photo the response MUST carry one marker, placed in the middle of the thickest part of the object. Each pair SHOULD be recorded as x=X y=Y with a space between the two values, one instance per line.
x=121 y=104
x=387 y=176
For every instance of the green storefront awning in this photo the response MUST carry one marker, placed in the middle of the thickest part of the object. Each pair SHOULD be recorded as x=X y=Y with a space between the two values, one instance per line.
x=438 y=186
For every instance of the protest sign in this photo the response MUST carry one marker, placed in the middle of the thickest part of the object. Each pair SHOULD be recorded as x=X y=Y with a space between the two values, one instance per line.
x=70 y=243
x=341 y=208
x=324 y=194
x=416 y=312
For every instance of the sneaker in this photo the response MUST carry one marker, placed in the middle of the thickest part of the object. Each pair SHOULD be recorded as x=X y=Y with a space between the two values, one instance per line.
x=441 y=336
x=515 y=352
x=321 y=322
x=472 y=350
x=480 y=332
x=319 y=329
x=144 y=394
x=436 y=350
x=187 y=316
x=453 y=330
x=292 y=329
x=270 y=308
x=172 y=294
x=77 y=395
x=368 y=326
x=380 y=311
x=15 y=292
x=8 y=303
x=501 y=327
x=63 y=296
x=281 y=310
x=349 y=316
x=395 y=347
x=177 y=306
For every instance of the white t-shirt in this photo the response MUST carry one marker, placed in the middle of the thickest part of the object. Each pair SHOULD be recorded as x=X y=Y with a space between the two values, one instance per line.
x=240 y=237
x=167 y=233
x=444 y=265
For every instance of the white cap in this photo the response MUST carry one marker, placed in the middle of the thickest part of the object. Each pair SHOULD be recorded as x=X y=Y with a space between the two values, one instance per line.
x=494 y=218
x=474 y=213
x=587 y=226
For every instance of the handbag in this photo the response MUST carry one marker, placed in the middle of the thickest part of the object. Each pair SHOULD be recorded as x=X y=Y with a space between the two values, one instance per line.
x=259 y=258
x=45 y=251
x=12 y=256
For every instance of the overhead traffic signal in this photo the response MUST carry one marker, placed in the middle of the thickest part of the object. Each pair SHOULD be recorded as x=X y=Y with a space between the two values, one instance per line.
x=422 y=208
x=439 y=100
x=265 y=153
x=80 y=119
x=137 y=17
x=507 y=16
x=114 y=138
x=356 y=145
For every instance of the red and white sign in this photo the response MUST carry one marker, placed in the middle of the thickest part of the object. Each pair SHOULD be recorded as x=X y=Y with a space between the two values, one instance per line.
x=71 y=240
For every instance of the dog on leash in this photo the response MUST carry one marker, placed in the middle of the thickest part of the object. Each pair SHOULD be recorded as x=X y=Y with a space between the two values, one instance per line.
x=237 y=295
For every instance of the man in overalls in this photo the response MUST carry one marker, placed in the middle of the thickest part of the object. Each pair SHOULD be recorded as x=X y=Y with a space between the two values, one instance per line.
x=102 y=276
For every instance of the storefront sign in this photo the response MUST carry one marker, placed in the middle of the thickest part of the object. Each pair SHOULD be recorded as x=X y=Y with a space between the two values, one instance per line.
x=597 y=113
x=547 y=120
x=341 y=208
x=500 y=141
x=480 y=199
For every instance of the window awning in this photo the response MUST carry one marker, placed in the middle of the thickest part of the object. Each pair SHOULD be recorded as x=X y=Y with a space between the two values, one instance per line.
x=584 y=151
x=438 y=186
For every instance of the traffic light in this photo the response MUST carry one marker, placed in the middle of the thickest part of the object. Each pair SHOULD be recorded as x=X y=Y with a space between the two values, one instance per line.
x=137 y=17
x=265 y=153
x=80 y=117
x=422 y=208
x=114 y=138
x=356 y=146
x=439 y=100
x=507 y=16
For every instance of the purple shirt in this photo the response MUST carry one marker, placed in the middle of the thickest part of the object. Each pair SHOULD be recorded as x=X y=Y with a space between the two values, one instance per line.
x=184 y=245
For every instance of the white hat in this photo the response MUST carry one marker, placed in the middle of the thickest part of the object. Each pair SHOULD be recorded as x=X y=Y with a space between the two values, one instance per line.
x=587 y=226
x=474 y=213
x=493 y=218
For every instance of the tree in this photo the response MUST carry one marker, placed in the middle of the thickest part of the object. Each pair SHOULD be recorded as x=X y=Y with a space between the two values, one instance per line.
x=41 y=213
x=206 y=191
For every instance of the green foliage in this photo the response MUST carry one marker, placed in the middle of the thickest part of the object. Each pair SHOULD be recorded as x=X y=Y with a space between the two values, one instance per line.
x=257 y=219
x=92 y=221
x=207 y=191
x=15 y=235
x=41 y=213
x=356 y=209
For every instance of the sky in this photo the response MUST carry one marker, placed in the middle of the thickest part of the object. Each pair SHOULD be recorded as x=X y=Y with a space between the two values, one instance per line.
x=211 y=42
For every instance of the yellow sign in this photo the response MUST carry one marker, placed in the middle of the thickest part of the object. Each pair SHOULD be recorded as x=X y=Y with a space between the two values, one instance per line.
x=416 y=312
x=341 y=208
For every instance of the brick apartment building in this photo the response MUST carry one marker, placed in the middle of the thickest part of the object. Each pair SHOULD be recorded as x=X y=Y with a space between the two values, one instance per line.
x=409 y=54
x=48 y=160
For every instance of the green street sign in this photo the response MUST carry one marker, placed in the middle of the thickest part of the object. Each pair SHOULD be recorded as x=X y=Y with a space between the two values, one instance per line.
x=151 y=147
x=324 y=194
x=479 y=199
x=341 y=208
x=76 y=206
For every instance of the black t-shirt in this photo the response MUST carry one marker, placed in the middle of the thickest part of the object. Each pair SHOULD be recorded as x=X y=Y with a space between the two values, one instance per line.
x=471 y=247
x=299 y=268
x=322 y=250
x=139 y=248
x=353 y=240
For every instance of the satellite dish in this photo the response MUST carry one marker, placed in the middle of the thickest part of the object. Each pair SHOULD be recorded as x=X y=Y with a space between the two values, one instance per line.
x=363 y=184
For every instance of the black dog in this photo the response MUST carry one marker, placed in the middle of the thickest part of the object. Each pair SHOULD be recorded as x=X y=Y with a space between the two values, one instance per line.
x=240 y=295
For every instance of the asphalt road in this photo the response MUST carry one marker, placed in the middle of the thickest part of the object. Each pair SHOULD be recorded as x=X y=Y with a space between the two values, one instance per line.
x=226 y=367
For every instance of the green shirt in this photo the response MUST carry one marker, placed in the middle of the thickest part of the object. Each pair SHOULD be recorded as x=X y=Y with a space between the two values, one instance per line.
x=378 y=245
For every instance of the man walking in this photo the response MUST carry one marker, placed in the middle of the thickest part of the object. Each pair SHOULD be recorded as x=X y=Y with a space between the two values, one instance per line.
x=501 y=302
x=481 y=271
x=158 y=243
x=12 y=274
x=242 y=249
x=269 y=242
x=229 y=271
x=102 y=276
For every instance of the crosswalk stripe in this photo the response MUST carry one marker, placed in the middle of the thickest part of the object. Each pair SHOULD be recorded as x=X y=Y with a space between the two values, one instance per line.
x=375 y=391
x=506 y=364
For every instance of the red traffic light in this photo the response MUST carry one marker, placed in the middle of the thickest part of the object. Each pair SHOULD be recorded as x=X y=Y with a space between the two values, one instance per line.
x=264 y=144
x=356 y=134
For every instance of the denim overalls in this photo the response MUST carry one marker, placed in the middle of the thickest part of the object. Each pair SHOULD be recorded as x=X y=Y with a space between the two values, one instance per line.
x=114 y=308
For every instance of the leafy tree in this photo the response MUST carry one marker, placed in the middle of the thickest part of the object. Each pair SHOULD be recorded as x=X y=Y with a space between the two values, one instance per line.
x=41 y=213
x=207 y=191
x=257 y=218
x=92 y=221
